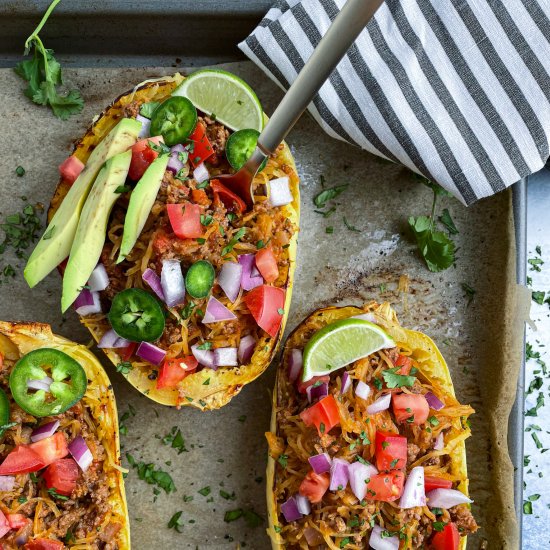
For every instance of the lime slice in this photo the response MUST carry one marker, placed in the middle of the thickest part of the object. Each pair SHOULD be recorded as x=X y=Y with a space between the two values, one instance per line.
x=341 y=343
x=231 y=100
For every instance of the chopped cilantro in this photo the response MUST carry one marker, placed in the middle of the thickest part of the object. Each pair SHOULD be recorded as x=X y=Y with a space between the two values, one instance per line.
x=232 y=515
x=351 y=227
x=538 y=296
x=205 y=491
x=344 y=542
x=326 y=213
x=320 y=200
x=176 y=522
x=122 y=189
x=124 y=367
x=175 y=440
x=20 y=171
x=283 y=461
x=527 y=507
x=394 y=380
x=470 y=292
x=329 y=229
x=535 y=264
x=236 y=238
x=281 y=311
x=56 y=495
x=151 y=475
x=439 y=525
x=147 y=109
x=205 y=345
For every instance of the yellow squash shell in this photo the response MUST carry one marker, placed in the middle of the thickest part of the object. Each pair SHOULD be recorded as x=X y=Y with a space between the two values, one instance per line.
x=225 y=383
x=432 y=367
x=18 y=339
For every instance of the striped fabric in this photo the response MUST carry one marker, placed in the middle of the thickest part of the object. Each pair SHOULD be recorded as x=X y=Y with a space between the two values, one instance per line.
x=456 y=90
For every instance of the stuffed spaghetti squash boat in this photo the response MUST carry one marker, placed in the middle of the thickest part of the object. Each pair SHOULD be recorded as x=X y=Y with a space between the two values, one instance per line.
x=185 y=286
x=371 y=454
x=61 y=483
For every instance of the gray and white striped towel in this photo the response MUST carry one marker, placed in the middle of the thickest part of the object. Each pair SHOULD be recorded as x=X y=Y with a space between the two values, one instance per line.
x=457 y=90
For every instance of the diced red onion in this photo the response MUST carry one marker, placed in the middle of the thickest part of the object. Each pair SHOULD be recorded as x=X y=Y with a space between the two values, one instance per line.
x=370 y=317
x=317 y=392
x=112 y=340
x=172 y=282
x=229 y=278
x=246 y=349
x=295 y=363
x=302 y=502
x=153 y=280
x=362 y=390
x=42 y=384
x=99 y=279
x=290 y=510
x=346 y=382
x=439 y=444
x=434 y=402
x=413 y=492
x=150 y=353
x=81 y=453
x=87 y=303
x=446 y=498
x=358 y=475
x=377 y=541
x=200 y=173
x=320 y=463
x=225 y=357
x=339 y=474
x=216 y=312
x=248 y=282
x=174 y=164
x=7 y=483
x=46 y=430
x=145 y=127
x=381 y=404
x=279 y=192
x=254 y=271
x=204 y=356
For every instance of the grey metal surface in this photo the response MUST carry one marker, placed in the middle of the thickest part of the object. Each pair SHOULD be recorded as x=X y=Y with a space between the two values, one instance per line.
x=126 y=32
x=537 y=468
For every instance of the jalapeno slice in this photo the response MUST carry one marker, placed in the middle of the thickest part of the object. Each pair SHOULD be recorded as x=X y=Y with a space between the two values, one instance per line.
x=200 y=279
x=174 y=120
x=4 y=408
x=137 y=316
x=68 y=386
x=240 y=146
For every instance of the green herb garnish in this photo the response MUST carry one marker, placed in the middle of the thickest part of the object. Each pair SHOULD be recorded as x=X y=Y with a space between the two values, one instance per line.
x=394 y=380
x=320 y=200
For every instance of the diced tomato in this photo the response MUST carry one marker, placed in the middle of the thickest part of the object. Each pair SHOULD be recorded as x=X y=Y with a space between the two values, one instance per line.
x=44 y=544
x=230 y=200
x=128 y=351
x=267 y=264
x=202 y=148
x=448 y=539
x=387 y=487
x=303 y=386
x=324 y=415
x=314 y=486
x=266 y=304
x=199 y=196
x=16 y=521
x=433 y=482
x=51 y=448
x=70 y=169
x=411 y=408
x=22 y=460
x=390 y=451
x=405 y=363
x=185 y=220
x=61 y=475
x=173 y=371
x=4 y=524
x=142 y=156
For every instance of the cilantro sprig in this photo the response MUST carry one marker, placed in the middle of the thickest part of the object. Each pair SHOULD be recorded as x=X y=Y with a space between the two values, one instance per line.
x=43 y=73
x=437 y=249
x=394 y=380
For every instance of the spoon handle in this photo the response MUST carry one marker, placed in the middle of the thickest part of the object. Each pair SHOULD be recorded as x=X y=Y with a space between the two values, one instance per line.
x=345 y=28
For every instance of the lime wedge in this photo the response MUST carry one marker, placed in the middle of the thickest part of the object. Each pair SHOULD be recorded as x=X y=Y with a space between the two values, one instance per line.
x=340 y=343
x=223 y=95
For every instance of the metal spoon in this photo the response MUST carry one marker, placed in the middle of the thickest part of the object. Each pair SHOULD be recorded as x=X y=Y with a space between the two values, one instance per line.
x=333 y=46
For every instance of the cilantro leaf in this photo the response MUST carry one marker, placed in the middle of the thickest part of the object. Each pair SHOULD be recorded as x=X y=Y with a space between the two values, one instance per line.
x=448 y=222
x=320 y=200
x=538 y=296
x=148 y=108
x=394 y=380
x=43 y=74
x=436 y=248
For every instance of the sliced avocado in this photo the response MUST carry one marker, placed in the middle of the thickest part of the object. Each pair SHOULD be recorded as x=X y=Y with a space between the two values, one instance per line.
x=141 y=201
x=92 y=226
x=55 y=244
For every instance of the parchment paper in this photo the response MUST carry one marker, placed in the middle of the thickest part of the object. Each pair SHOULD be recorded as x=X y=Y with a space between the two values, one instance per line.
x=226 y=449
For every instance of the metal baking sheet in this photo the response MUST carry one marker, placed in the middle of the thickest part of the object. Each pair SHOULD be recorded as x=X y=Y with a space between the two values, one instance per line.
x=226 y=449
